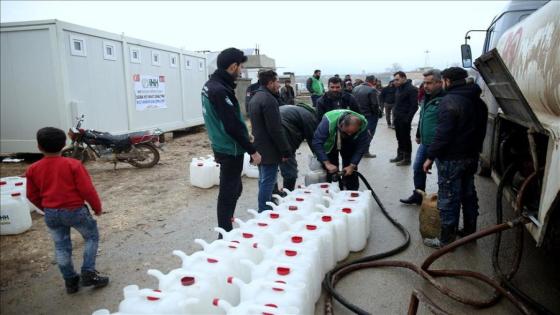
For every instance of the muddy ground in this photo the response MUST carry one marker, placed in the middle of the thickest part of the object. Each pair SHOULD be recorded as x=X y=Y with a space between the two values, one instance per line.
x=148 y=213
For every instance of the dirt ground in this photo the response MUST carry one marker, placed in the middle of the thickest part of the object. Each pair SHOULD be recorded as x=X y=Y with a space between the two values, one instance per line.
x=127 y=195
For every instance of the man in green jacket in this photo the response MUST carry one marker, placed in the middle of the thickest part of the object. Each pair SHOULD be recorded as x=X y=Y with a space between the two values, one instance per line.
x=426 y=130
x=315 y=87
x=227 y=131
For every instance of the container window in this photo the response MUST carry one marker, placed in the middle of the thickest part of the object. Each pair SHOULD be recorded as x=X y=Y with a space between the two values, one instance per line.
x=134 y=55
x=200 y=65
x=109 y=51
x=173 y=61
x=77 y=46
x=155 y=58
x=188 y=63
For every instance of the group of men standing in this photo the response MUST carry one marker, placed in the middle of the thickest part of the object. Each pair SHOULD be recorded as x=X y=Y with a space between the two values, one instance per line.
x=341 y=124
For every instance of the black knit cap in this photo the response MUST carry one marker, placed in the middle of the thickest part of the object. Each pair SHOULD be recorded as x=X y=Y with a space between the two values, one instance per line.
x=454 y=74
x=229 y=56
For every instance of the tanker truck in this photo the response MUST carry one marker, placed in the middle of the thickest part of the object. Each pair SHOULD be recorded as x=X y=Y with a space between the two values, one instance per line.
x=519 y=73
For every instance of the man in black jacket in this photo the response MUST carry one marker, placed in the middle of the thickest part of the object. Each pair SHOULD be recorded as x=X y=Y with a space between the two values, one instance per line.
x=456 y=146
x=335 y=98
x=287 y=94
x=299 y=123
x=270 y=140
x=368 y=100
x=227 y=131
x=406 y=105
x=387 y=98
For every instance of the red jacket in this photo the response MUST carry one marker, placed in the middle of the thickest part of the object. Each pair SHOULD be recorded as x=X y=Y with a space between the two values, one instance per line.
x=60 y=183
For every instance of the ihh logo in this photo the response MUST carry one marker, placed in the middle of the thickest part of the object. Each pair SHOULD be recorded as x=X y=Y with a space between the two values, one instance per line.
x=150 y=83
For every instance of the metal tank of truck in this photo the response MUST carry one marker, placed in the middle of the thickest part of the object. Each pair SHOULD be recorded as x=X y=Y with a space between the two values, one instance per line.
x=519 y=73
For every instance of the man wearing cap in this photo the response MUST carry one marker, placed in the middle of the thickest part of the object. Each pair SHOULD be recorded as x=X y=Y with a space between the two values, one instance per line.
x=455 y=147
x=343 y=132
x=227 y=131
x=367 y=97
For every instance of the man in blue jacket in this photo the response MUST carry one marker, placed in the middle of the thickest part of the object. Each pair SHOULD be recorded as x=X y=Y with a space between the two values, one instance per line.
x=342 y=132
x=455 y=147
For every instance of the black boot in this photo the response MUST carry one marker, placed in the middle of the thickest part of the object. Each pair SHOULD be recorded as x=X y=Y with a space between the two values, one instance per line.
x=415 y=198
x=397 y=158
x=405 y=160
x=290 y=184
x=72 y=284
x=469 y=227
x=92 y=278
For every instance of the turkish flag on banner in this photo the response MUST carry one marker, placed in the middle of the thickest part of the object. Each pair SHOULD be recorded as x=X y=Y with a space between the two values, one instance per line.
x=136 y=77
x=161 y=78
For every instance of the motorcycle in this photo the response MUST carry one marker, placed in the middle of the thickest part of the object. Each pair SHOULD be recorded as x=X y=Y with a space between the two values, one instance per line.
x=139 y=149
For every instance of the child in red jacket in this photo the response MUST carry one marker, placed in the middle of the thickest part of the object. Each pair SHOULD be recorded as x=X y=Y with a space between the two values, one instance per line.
x=60 y=186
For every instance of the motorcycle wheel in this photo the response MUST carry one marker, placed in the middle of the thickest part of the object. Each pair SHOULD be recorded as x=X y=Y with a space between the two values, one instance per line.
x=150 y=154
x=79 y=154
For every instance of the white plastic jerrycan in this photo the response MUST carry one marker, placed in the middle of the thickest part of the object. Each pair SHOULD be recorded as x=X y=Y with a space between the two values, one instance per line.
x=325 y=234
x=249 y=170
x=306 y=195
x=273 y=228
x=274 y=216
x=296 y=255
x=14 y=214
x=219 y=267
x=204 y=173
x=251 y=236
x=277 y=292
x=355 y=198
x=147 y=301
x=356 y=219
x=192 y=285
x=339 y=222
x=252 y=308
x=9 y=185
x=288 y=272
x=300 y=206
x=326 y=189
x=316 y=176
x=234 y=250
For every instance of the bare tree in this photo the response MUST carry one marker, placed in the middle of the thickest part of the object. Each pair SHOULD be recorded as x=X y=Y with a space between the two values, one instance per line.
x=394 y=67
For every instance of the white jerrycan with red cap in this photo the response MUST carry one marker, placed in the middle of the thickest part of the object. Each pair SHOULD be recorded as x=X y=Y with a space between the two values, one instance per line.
x=273 y=228
x=146 y=301
x=203 y=173
x=253 y=308
x=190 y=284
x=251 y=236
x=232 y=249
x=356 y=219
x=299 y=206
x=218 y=267
x=325 y=233
x=313 y=197
x=340 y=225
x=326 y=189
x=294 y=255
x=287 y=217
x=360 y=199
x=288 y=272
x=275 y=292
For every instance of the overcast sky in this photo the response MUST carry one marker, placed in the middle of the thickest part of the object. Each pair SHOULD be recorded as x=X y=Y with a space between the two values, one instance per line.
x=335 y=36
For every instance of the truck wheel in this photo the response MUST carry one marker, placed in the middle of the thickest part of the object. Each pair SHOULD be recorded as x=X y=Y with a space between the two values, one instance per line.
x=148 y=156
x=78 y=154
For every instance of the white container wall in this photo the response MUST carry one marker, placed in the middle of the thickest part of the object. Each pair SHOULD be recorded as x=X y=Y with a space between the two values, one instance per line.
x=52 y=71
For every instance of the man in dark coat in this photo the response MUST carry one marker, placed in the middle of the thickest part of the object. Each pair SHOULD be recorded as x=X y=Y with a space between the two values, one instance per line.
x=287 y=94
x=270 y=140
x=456 y=146
x=335 y=98
x=387 y=98
x=406 y=105
x=299 y=123
x=366 y=96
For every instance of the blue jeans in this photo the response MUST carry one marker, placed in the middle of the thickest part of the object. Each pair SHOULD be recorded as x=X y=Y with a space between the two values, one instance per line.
x=419 y=174
x=268 y=174
x=372 y=124
x=456 y=189
x=314 y=99
x=59 y=222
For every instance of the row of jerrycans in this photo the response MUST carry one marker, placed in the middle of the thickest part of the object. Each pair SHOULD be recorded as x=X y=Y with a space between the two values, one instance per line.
x=271 y=264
